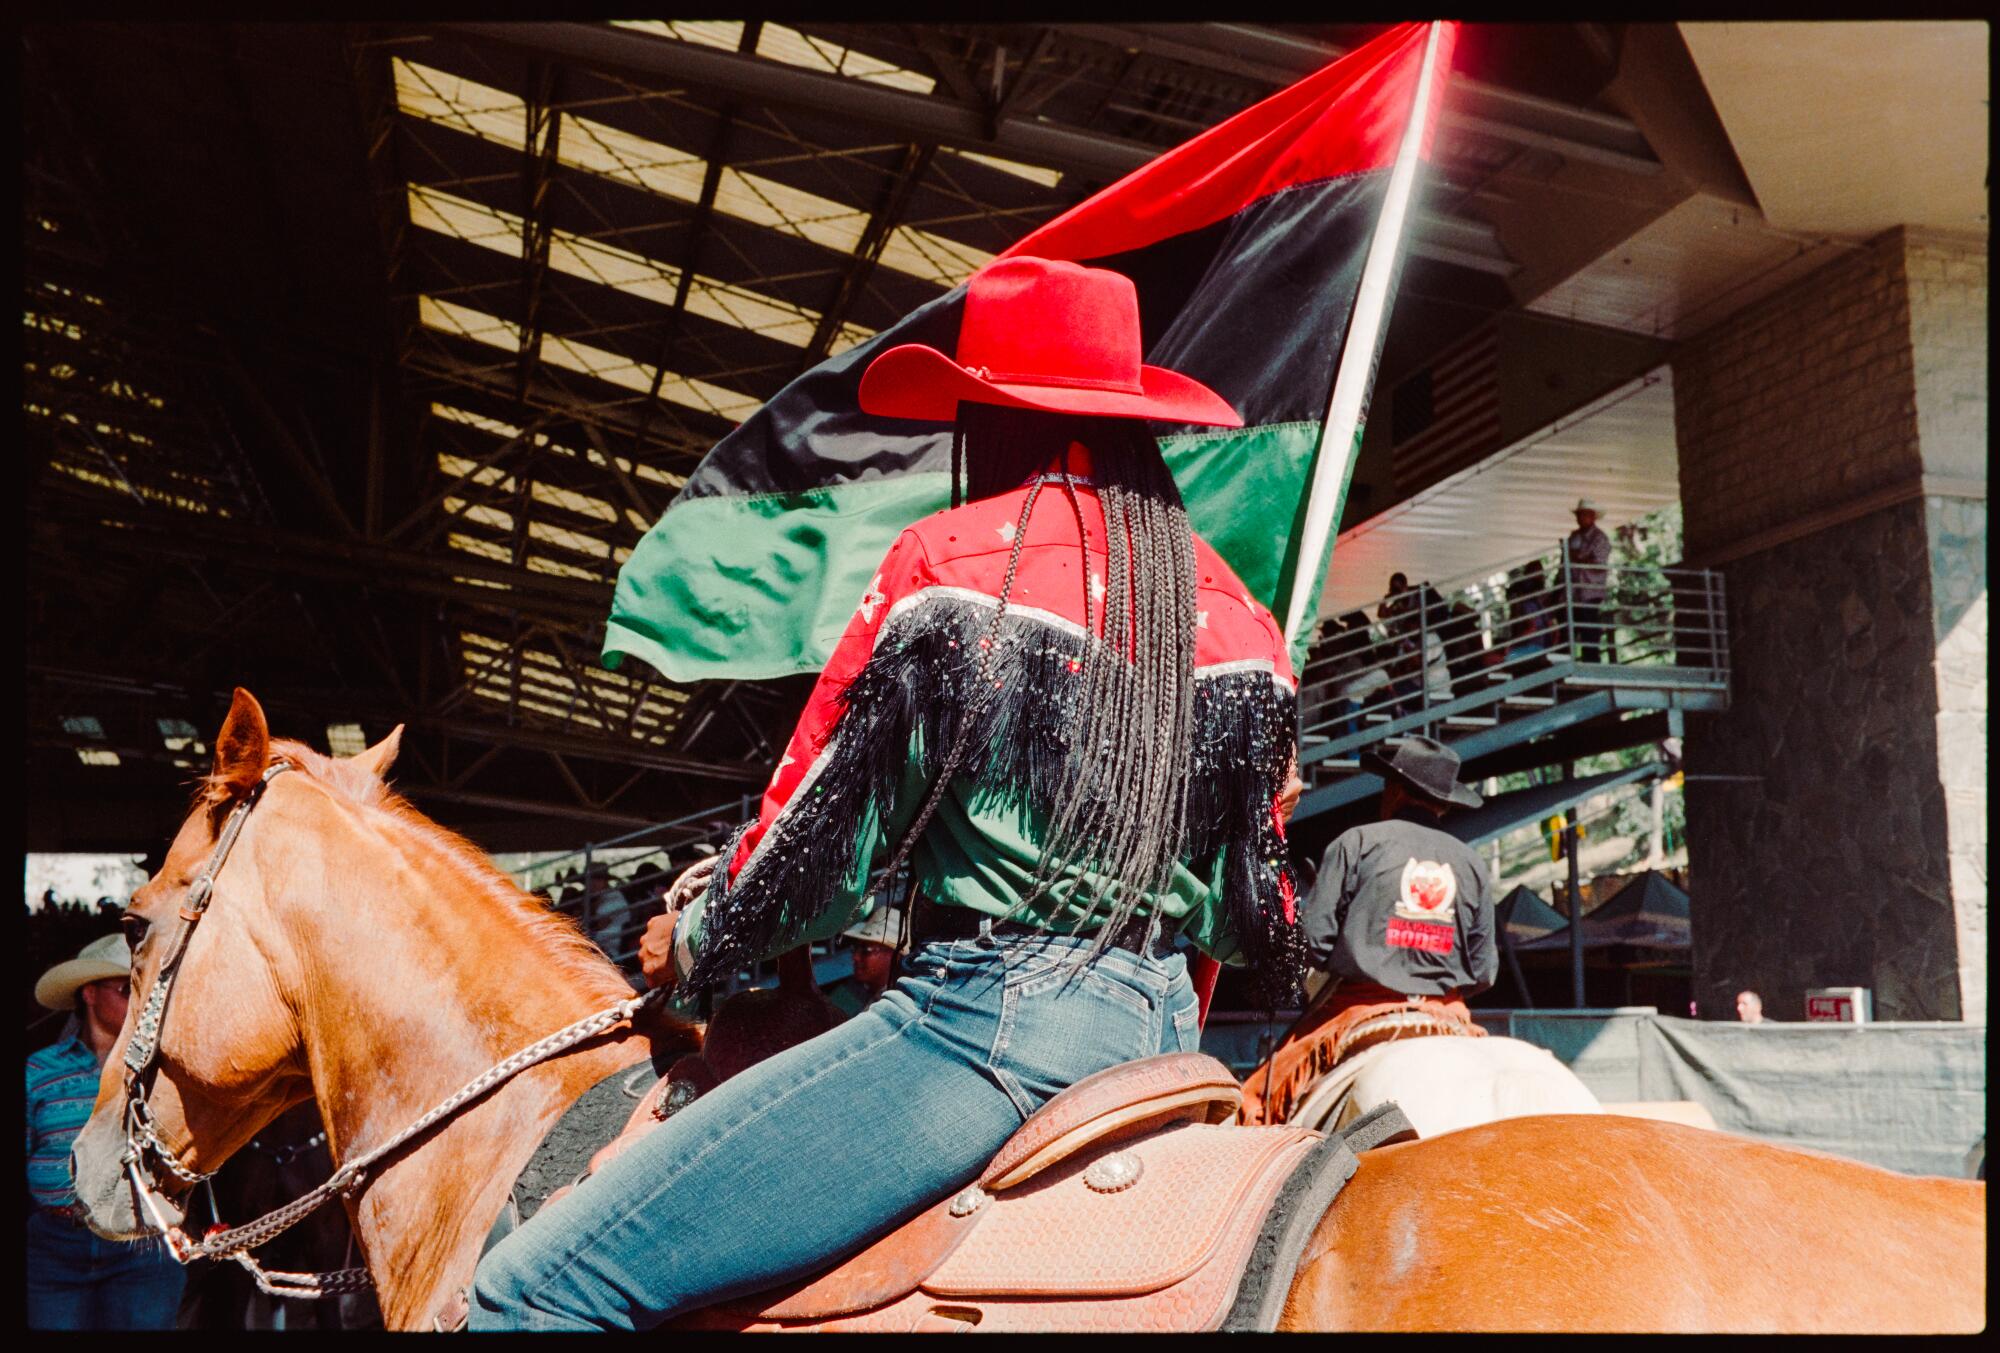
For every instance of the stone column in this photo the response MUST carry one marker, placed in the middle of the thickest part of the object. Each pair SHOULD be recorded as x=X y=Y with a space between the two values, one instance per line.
x=1832 y=446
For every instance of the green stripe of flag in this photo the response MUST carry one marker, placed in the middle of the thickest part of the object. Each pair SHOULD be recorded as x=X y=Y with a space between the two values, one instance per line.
x=753 y=586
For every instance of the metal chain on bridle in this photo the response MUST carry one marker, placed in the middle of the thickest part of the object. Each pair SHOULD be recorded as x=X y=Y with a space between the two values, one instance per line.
x=235 y=1242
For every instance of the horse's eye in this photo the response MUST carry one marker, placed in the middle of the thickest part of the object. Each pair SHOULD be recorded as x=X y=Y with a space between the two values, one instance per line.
x=134 y=928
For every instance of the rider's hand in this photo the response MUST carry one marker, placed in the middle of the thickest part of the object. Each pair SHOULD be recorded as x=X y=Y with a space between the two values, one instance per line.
x=656 y=950
x=1294 y=786
x=656 y=946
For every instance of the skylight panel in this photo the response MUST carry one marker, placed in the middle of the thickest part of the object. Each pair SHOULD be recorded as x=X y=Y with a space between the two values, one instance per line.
x=726 y=34
x=487 y=476
x=49 y=324
x=932 y=257
x=632 y=273
x=1047 y=178
x=617 y=369
x=480 y=513
x=439 y=96
x=82 y=726
x=766 y=202
x=571 y=501
x=654 y=474
x=558 y=712
x=640 y=162
x=485 y=549
x=588 y=546
x=541 y=563
x=346 y=739
x=179 y=735
x=507 y=432
x=775 y=42
x=504 y=431
x=779 y=43
x=609 y=367
x=477 y=325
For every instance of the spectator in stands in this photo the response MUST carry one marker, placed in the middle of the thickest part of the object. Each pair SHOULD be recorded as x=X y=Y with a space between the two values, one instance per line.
x=1398 y=611
x=1421 y=682
x=1530 y=628
x=1586 y=552
x=1458 y=627
x=1355 y=671
x=608 y=909
x=872 y=941
x=75 y=1280
x=1749 y=1007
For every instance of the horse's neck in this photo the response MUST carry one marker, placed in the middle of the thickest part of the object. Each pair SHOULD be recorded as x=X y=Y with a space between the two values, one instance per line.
x=404 y=1045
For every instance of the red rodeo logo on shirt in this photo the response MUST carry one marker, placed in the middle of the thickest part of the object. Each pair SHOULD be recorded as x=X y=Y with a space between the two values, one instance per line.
x=1425 y=917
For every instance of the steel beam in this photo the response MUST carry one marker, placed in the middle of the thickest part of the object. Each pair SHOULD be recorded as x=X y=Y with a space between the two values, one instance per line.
x=861 y=265
x=926 y=117
x=338 y=705
x=537 y=231
x=373 y=564
x=619 y=415
x=1472 y=105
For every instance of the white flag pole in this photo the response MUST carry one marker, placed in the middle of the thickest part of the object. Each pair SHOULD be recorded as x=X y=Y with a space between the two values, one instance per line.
x=1339 y=434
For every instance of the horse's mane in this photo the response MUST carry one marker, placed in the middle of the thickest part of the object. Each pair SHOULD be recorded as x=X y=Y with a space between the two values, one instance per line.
x=569 y=952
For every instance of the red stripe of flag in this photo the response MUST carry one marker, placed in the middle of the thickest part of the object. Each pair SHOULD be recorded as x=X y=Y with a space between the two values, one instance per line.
x=1345 y=119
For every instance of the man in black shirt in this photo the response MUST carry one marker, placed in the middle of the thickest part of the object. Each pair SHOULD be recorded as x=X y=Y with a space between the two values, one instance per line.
x=1401 y=917
x=1399 y=903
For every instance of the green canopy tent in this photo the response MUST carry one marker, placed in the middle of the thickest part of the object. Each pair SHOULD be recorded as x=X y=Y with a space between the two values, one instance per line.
x=1526 y=917
x=1650 y=912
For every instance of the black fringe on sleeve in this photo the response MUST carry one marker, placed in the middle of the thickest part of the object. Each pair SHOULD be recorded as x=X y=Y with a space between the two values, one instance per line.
x=917 y=685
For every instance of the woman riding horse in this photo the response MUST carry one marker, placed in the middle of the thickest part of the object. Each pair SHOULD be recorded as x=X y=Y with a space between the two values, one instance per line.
x=1077 y=726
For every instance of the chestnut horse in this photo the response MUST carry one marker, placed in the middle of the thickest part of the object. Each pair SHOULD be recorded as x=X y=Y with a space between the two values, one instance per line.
x=355 y=953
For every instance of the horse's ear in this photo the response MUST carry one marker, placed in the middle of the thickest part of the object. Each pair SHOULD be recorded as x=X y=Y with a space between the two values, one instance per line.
x=377 y=759
x=243 y=745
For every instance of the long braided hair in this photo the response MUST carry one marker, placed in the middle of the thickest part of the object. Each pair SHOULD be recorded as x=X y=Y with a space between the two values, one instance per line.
x=1119 y=822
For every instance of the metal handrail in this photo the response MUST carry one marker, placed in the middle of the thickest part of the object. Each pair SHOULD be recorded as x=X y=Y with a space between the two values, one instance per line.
x=1432 y=657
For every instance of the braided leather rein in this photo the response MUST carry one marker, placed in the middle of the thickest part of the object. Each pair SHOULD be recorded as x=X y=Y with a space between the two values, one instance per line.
x=235 y=1242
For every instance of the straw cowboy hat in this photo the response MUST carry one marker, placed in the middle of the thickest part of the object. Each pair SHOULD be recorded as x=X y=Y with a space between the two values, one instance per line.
x=1038 y=334
x=107 y=956
x=1427 y=767
x=883 y=925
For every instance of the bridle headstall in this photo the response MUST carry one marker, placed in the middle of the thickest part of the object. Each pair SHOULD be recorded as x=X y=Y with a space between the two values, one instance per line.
x=142 y=1138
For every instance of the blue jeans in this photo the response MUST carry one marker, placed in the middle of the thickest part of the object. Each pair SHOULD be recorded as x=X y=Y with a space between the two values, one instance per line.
x=77 y=1281
x=814 y=1153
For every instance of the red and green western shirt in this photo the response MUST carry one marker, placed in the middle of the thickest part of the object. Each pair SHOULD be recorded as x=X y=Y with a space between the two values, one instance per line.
x=857 y=767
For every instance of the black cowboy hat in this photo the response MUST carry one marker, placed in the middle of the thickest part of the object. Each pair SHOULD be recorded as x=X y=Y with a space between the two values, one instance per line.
x=1425 y=766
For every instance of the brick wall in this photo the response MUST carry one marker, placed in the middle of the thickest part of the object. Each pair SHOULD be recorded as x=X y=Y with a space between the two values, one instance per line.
x=1845 y=842
x=1802 y=402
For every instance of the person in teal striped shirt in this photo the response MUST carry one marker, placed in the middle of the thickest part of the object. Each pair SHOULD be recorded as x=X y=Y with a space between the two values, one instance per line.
x=75 y=1279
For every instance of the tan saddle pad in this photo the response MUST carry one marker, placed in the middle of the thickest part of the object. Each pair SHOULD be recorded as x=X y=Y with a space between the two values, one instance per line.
x=1148 y=1234
x=1128 y=1202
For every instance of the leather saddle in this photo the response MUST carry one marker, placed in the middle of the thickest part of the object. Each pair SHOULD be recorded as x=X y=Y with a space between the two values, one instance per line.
x=1130 y=1201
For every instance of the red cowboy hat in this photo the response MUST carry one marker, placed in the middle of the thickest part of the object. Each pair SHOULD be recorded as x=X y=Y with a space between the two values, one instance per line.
x=1043 y=335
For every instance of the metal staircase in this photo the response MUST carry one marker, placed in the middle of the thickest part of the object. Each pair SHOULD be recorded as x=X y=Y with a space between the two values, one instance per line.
x=1534 y=680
